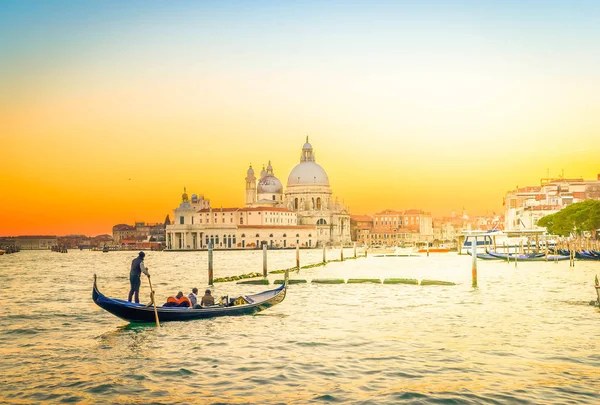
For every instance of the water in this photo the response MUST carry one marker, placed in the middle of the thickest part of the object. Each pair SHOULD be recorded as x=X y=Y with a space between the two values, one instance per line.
x=525 y=335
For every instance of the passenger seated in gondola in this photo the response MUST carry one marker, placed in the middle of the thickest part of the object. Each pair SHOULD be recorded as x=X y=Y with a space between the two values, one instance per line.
x=207 y=299
x=178 y=301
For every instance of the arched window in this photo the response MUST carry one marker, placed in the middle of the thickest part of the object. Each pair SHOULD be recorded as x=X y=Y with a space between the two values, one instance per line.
x=310 y=235
x=284 y=235
x=271 y=235
x=257 y=235
x=318 y=203
x=312 y=204
x=295 y=203
x=241 y=220
x=243 y=235
x=321 y=222
x=297 y=235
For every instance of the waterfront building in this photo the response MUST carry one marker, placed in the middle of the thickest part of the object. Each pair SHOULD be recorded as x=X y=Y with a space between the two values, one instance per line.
x=395 y=228
x=36 y=242
x=360 y=227
x=124 y=234
x=237 y=228
x=305 y=214
x=525 y=206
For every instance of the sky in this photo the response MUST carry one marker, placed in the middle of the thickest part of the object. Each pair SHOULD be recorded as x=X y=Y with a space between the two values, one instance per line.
x=109 y=109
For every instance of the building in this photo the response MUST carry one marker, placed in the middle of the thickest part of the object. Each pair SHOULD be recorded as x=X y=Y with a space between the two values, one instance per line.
x=394 y=228
x=305 y=214
x=124 y=234
x=525 y=206
x=237 y=228
x=360 y=227
x=35 y=242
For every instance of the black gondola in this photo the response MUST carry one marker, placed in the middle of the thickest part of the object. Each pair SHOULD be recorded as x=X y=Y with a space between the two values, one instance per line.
x=132 y=312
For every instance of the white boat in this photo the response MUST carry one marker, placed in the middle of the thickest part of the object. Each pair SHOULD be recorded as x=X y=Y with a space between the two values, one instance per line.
x=505 y=241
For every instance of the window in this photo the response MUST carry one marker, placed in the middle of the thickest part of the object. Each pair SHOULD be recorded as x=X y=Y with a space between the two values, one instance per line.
x=241 y=220
x=180 y=220
x=273 y=197
x=295 y=203
x=257 y=235
x=318 y=203
x=271 y=235
x=321 y=222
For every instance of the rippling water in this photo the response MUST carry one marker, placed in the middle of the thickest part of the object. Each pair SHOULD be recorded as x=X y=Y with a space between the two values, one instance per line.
x=525 y=335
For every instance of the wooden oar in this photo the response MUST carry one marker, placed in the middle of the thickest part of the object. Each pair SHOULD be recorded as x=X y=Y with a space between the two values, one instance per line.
x=153 y=302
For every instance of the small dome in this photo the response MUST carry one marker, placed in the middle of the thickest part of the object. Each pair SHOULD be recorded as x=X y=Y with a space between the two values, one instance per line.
x=307 y=145
x=269 y=184
x=263 y=172
x=184 y=196
x=250 y=170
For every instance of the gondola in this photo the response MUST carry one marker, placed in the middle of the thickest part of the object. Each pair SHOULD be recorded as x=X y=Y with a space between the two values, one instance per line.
x=535 y=257
x=132 y=312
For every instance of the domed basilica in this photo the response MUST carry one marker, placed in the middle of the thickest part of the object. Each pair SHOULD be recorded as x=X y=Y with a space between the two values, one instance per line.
x=307 y=193
x=305 y=215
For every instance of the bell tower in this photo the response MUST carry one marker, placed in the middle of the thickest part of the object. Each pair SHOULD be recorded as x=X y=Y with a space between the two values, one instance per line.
x=250 y=186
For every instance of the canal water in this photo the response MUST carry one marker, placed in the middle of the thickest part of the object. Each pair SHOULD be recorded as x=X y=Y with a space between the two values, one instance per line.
x=526 y=335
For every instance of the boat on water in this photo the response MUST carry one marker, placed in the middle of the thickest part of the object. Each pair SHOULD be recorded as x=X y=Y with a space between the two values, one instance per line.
x=581 y=255
x=2 y=252
x=140 y=313
x=505 y=241
x=533 y=257
x=398 y=252
x=434 y=250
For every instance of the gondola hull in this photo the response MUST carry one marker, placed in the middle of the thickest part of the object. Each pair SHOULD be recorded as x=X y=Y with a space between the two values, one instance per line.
x=536 y=257
x=139 y=313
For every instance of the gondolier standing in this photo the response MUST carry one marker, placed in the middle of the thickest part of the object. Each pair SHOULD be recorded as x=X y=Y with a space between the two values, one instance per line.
x=137 y=268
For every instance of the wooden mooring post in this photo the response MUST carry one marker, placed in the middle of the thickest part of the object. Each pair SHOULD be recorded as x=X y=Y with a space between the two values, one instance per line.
x=298 y=257
x=342 y=252
x=324 y=253
x=210 y=263
x=265 y=260
x=474 y=261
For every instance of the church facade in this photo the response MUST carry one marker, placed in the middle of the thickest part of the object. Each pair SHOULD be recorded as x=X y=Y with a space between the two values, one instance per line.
x=305 y=215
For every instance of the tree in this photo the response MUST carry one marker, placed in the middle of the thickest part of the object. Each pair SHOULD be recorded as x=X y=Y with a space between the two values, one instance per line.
x=575 y=218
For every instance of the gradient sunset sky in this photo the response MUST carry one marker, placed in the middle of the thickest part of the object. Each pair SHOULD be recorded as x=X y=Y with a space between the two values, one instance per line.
x=109 y=109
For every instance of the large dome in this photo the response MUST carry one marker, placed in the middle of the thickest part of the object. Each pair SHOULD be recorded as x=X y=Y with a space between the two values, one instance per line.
x=269 y=184
x=308 y=173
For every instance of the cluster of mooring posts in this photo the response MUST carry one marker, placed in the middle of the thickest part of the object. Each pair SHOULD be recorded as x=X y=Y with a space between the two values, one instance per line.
x=251 y=278
x=9 y=249
x=59 y=249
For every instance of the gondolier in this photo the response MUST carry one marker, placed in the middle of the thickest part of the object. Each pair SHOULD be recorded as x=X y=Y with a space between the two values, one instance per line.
x=137 y=268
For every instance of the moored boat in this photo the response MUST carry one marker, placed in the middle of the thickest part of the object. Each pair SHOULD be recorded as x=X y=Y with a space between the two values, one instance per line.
x=534 y=257
x=141 y=313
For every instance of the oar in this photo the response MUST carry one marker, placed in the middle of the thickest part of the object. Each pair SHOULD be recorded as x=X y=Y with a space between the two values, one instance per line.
x=153 y=302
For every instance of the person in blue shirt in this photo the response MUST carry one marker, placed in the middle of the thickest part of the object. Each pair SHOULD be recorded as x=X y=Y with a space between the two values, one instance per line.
x=137 y=268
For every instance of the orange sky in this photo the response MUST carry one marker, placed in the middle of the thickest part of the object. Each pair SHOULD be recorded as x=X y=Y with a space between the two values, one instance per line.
x=109 y=125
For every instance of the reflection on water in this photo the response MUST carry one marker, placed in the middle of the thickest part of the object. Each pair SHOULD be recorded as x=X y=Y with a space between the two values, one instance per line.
x=526 y=335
